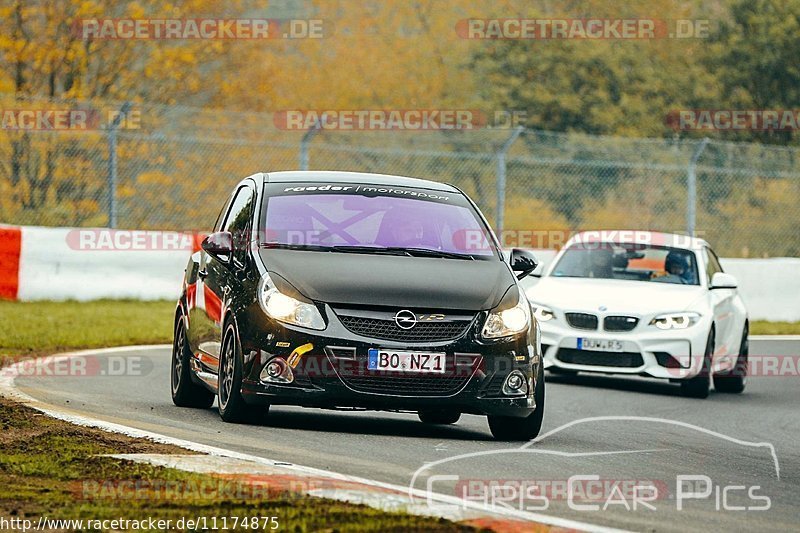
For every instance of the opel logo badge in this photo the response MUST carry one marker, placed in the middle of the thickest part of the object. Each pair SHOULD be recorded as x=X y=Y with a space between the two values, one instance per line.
x=405 y=319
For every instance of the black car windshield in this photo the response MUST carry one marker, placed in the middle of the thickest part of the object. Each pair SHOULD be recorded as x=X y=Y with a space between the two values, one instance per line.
x=637 y=262
x=373 y=219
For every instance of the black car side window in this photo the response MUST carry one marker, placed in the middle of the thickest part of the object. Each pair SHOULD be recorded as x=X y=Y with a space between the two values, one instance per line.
x=221 y=216
x=238 y=221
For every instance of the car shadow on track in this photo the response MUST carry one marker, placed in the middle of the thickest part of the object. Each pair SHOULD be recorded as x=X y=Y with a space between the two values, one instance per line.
x=630 y=384
x=373 y=424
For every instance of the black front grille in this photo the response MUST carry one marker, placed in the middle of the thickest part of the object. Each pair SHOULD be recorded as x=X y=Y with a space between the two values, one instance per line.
x=341 y=352
x=584 y=357
x=494 y=387
x=450 y=382
x=407 y=385
x=387 y=329
x=620 y=323
x=582 y=320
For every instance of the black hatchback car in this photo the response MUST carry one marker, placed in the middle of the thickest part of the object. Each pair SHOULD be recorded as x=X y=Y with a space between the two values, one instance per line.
x=364 y=291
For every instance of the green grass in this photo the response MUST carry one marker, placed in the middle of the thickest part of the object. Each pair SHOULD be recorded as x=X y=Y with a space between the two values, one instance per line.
x=46 y=327
x=45 y=463
x=762 y=327
x=52 y=468
x=30 y=328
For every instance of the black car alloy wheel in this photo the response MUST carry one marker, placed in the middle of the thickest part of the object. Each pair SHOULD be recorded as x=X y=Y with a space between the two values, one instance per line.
x=185 y=393
x=232 y=407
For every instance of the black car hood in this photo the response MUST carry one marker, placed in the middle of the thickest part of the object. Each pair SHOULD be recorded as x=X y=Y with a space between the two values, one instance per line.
x=386 y=280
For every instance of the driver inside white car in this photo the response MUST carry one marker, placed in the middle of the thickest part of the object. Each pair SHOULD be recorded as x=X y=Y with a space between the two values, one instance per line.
x=677 y=269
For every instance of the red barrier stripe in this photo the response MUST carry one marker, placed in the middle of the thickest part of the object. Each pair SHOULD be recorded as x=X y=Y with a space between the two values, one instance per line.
x=10 y=246
x=197 y=240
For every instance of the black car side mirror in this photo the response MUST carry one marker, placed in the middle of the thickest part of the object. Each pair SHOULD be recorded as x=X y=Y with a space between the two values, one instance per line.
x=219 y=245
x=523 y=262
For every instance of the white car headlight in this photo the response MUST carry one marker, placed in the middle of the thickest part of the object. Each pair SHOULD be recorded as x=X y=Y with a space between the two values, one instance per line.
x=675 y=320
x=542 y=313
x=287 y=309
x=508 y=321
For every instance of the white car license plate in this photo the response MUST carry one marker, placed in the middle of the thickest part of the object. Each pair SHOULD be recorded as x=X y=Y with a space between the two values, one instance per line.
x=600 y=345
x=397 y=361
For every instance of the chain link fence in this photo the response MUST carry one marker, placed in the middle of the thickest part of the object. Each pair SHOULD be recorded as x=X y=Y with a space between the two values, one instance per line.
x=174 y=165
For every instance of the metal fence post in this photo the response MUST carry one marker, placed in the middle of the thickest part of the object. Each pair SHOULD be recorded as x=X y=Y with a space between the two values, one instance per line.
x=501 y=177
x=304 y=142
x=691 y=187
x=112 y=164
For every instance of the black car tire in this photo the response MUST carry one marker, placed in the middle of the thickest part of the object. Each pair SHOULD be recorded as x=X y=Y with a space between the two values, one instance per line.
x=511 y=428
x=185 y=392
x=439 y=416
x=232 y=407
x=735 y=380
x=699 y=386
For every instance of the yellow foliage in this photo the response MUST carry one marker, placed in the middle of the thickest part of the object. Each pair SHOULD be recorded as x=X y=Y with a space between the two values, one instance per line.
x=532 y=223
x=760 y=215
x=155 y=177
x=658 y=203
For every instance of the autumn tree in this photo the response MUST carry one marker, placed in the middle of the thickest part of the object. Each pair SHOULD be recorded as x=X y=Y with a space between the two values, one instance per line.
x=48 y=62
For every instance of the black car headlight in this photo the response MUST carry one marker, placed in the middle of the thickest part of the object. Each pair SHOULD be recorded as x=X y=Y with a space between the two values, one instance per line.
x=509 y=321
x=288 y=309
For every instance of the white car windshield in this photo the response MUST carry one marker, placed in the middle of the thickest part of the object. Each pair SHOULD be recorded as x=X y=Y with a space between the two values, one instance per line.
x=636 y=262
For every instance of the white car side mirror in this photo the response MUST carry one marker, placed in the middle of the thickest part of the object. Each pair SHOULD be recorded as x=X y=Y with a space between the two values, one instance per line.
x=721 y=280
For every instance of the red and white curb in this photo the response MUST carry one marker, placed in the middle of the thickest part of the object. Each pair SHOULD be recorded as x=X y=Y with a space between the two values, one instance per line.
x=309 y=480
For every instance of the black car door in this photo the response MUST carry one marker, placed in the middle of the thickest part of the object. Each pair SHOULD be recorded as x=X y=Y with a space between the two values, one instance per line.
x=218 y=277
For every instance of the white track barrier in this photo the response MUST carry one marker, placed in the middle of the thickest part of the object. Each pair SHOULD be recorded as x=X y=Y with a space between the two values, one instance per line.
x=55 y=264
x=769 y=287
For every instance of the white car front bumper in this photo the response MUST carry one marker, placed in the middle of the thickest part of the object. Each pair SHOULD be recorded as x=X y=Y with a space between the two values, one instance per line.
x=646 y=350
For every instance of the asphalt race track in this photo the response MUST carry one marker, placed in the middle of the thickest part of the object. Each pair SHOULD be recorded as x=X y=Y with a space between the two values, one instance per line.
x=622 y=452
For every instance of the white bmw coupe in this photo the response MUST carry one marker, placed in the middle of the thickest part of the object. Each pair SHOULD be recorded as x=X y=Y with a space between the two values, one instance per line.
x=643 y=303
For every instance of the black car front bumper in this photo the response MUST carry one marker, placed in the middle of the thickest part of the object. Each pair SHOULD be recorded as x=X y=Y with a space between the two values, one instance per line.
x=333 y=373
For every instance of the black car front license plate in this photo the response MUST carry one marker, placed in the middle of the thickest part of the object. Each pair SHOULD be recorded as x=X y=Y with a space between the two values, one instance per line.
x=402 y=361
